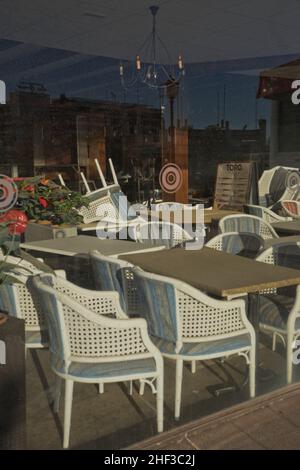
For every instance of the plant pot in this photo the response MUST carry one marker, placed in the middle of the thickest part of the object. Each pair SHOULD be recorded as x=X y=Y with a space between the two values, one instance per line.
x=12 y=380
x=37 y=231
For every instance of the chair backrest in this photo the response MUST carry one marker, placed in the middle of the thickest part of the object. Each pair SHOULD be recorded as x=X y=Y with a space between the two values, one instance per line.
x=161 y=233
x=179 y=313
x=247 y=223
x=235 y=243
x=109 y=202
x=291 y=208
x=17 y=299
x=169 y=206
x=285 y=254
x=98 y=209
x=264 y=213
x=112 y=274
x=76 y=327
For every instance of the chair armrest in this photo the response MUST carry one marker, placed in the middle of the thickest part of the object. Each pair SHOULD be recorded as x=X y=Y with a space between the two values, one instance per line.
x=89 y=298
x=127 y=336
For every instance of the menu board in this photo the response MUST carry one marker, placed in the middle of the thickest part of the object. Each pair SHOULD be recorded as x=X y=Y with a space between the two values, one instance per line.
x=236 y=185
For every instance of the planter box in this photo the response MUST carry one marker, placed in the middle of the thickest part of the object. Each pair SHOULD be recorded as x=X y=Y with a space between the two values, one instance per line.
x=12 y=385
x=36 y=232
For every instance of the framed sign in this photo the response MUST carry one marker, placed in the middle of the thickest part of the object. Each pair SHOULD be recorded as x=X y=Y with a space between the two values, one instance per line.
x=236 y=185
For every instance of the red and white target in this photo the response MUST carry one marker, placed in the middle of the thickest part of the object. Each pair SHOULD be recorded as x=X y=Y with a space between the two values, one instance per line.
x=170 y=178
x=8 y=193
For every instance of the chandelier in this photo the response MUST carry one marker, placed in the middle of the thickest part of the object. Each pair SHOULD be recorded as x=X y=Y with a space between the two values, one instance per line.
x=149 y=70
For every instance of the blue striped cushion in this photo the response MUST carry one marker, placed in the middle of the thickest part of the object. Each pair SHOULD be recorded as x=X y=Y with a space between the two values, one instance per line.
x=205 y=348
x=275 y=309
x=36 y=337
x=159 y=302
x=109 y=369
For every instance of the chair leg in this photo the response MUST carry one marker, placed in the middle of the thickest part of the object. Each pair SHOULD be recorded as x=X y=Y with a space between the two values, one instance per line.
x=101 y=388
x=68 y=410
x=57 y=393
x=142 y=387
x=289 y=359
x=160 y=402
x=178 y=387
x=193 y=367
x=252 y=371
x=274 y=339
x=130 y=387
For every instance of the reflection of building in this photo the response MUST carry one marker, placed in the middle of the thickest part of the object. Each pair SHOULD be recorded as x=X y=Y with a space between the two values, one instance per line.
x=217 y=144
x=276 y=84
x=66 y=134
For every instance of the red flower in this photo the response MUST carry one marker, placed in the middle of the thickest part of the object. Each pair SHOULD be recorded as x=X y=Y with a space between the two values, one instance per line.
x=30 y=188
x=43 y=202
x=18 y=220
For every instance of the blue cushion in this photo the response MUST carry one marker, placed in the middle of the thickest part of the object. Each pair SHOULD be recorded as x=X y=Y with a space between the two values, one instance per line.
x=275 y=309
x=109 y=369
x=36 y=337
x=205 y=348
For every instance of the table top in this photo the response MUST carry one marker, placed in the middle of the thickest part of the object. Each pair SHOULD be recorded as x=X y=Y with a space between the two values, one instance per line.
x=190 y=215
x=276 y=241
x=83 y=244
x=215 y=272
x=288 y=227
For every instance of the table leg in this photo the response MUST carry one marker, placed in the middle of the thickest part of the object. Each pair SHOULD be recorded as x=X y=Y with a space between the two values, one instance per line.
x=262 y=374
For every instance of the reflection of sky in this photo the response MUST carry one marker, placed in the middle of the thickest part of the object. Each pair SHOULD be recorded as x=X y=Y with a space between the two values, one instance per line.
x=95 y=77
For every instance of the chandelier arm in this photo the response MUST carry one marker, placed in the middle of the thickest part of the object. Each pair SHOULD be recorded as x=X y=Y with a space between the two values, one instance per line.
x=165 y=48
x=145 y=43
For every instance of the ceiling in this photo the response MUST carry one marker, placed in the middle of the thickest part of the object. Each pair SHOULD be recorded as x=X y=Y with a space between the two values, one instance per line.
x=203 y=30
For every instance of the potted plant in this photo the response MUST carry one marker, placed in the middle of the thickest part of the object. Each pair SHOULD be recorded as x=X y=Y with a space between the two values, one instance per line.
x=53 y=207
x=43 y=200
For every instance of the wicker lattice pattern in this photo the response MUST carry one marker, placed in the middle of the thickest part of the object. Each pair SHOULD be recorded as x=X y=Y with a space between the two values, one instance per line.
x=217 y=244
x=98 y=209
x=99 y=305
x=87 y=339
x=200 y=320
x=265 y=232
x=131 y=295
x=32 y=317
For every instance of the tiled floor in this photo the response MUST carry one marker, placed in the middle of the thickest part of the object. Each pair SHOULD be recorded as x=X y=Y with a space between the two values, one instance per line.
x=117 y=420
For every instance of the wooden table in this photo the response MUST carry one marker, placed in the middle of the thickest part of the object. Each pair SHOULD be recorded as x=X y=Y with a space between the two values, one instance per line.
x=290 y=227
x=215 y=272
x=83 y=244
x=276 y=241
x=190 y=215
x=220 y=274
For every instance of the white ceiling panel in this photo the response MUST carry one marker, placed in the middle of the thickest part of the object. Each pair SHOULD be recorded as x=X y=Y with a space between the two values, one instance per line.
x=202 y=29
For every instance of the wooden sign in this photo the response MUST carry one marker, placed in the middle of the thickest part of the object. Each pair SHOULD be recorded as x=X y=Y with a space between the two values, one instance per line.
x=236 y=185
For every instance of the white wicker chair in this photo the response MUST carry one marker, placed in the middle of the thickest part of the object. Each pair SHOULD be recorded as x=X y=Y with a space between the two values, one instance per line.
x=280 y=309
x=112 y=274
x=160 y=233
x=188 y=325
x=247 y=223
x=237 y=243
x=266 y=214
x=174 y=206
x=17 y=301
x=93 y=341
x=291 y=208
